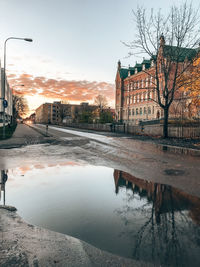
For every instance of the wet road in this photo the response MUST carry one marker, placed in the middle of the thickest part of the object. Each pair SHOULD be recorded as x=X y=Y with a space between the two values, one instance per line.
x=144 y=192
x=141 y=159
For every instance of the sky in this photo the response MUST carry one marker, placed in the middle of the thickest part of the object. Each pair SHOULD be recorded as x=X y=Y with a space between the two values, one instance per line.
x=75 y=49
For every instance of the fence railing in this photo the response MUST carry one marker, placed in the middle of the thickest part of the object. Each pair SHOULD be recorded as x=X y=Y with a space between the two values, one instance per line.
x=152 y=130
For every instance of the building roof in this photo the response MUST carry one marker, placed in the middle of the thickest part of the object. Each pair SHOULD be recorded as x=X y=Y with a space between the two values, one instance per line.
x=123 y=73
x=138 y=66
x=180 y=53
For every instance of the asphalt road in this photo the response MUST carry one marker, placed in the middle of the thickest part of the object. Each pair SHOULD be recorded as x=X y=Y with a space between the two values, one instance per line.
x=141 y=159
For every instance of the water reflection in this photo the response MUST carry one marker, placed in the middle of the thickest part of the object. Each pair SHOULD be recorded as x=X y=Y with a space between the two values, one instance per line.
x=167 y=230
x=131 y=217
x=3 y=180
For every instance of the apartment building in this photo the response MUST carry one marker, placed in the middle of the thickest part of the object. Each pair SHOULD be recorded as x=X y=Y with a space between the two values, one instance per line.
x=136 y=96
x=57 y=112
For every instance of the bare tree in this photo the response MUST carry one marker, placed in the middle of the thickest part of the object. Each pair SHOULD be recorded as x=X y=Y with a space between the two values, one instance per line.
x=101 y=102
x=20 y=106
x=171 y=41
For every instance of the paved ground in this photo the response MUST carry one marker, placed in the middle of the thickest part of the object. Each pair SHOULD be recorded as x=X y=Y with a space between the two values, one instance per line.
x=22 y=136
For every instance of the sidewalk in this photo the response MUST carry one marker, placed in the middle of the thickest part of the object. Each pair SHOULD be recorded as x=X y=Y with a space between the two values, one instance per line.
x=23 y=135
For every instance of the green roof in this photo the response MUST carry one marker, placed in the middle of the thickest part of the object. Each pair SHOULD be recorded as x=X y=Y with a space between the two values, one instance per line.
x=138 y=66
x=147 y=63
x=123 y=73
x=180 y=53
x=132 y=70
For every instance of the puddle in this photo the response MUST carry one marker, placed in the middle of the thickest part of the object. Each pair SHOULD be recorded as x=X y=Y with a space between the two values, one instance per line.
x=109 y=209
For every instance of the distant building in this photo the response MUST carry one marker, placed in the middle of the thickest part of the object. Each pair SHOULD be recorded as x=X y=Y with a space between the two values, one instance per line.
x=8 y=97
x=57 y=112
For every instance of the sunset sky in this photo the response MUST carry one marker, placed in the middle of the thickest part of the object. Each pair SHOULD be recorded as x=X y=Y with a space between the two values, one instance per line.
x=75 y=49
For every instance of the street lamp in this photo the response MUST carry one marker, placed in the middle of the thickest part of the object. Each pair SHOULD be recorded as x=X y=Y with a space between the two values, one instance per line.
x=4 y=77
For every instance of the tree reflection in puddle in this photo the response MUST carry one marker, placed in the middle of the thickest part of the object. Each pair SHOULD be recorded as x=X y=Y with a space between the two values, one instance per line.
x=144 y=220
x=170 y=234
x=3 y=180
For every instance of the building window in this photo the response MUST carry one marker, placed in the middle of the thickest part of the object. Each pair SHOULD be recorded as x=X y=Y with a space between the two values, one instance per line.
x=146 y=96
x=141 y=97
x=136 y=111
x=133 y=111
x=140 y=111
x=149 y=110
x=134 y=97
x=145 y=110
x=138 y=97
x=153 y=110
x=146 y=82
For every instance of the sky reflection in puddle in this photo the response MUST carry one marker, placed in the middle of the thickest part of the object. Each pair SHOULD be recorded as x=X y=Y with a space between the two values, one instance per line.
x=109 y=209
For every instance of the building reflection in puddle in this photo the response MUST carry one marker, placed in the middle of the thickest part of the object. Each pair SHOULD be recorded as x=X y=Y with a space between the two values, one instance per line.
x=170 y=232
x=144 y=220
x=3 y=180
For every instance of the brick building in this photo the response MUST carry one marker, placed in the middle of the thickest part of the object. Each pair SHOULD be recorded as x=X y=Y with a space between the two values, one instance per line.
x=136 y=96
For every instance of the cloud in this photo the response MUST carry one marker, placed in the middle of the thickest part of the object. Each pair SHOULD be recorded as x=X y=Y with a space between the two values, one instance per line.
x=60 y=89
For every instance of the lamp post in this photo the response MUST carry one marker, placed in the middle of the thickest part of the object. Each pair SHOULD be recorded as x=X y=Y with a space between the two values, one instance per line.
x=4 y=77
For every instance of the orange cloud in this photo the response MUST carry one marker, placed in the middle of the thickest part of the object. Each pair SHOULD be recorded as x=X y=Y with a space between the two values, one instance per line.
x=61 y=89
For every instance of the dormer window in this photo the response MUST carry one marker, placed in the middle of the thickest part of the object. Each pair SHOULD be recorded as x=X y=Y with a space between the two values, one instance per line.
x=129 y=73
x=152 y=63
x=136 y=70
x=143 y=67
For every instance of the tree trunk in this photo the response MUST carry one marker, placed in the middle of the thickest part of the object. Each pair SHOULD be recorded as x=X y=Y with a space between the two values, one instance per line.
x=165 y=125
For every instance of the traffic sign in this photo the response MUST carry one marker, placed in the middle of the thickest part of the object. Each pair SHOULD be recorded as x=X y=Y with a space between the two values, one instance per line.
x=5 y=103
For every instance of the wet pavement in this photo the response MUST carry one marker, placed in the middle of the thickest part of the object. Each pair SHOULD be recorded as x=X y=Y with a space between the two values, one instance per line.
x=120 y=195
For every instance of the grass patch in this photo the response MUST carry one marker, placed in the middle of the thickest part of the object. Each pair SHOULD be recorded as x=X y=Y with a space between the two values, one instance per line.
x=8 y=131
